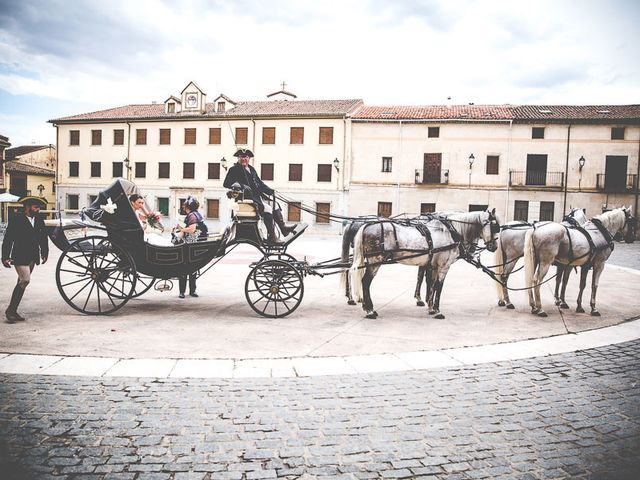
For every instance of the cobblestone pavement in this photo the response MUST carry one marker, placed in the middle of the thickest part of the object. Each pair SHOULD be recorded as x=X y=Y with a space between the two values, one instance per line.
x=564 y=416
x=626 y=255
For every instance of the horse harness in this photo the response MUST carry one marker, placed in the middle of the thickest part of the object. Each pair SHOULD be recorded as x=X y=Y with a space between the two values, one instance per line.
x=593 y=249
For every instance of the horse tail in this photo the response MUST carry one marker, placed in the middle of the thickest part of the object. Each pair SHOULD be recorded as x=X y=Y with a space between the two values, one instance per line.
x=499 y=268
x=357 y=270
x=347 y=237
x=529 y=258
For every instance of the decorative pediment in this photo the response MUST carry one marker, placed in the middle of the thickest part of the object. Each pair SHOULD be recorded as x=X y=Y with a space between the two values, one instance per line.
x=193 y=99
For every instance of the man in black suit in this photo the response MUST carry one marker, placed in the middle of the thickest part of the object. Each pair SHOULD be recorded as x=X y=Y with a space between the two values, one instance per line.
x=255 y=189
x=25 y=243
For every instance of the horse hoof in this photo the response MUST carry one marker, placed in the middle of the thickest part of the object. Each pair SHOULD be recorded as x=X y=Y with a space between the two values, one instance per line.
x=595 y=313
x=564 y=305
x=510 y=306
x=351 y=302
x=431 y=312
x=542 y=313
x=439 y=316
x=420 y=303
x=501 y=303
x=579 y=310
x=557 y=303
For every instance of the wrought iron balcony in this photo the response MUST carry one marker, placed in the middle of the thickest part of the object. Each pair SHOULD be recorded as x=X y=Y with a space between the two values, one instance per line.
x=536 y=179
x=616 y=183
x=428 y=177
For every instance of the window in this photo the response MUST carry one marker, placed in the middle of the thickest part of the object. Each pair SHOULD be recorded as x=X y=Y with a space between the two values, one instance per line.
x=96 y=169
x=266 y=171
x=163 y=205
x=326 y=135
x=116 y=169
x=96 y=137
x=221 y=107
x=384 y=209
x=181 y=210
x=617 y=133
x=213 y=171
x=387 y=163
x=213 y=208
x=427 y=208
x=296 y=136
x=546 y=211
x=215 y=136
x=141 y=136
x=295 y=172
x=165 y=136
x=242 y=134
x=293 y=212
x=323 y=210
x=92 y=198
x=324 y=172
x=537 y=132
x=268 y=135
x=72 y=201
x=521 y=210
x=141 y=169
x=188 y=170
x=118 y=137
x=164 y=169
x=74 y=137
x=475 y=207
x=74 y=169
x=433 y=132
x=189 y=136
x=492 y=164
x=171 y=107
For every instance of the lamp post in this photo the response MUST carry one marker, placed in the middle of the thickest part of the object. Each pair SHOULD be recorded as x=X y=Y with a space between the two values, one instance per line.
x=581 y=162
x=127 y=166
x=336 y=164
x=223 y=163
x=471 y=160
x=40 y=189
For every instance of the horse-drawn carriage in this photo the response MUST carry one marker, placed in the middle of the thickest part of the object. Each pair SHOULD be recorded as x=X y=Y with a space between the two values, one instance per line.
x=110 y=262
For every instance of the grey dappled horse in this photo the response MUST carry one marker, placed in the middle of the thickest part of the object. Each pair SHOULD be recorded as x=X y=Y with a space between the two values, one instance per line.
x=389 y=242
x=511 y=248
x=553 y=242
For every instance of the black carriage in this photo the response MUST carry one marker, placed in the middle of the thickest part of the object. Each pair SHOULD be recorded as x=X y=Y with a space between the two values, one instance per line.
x=110 y=262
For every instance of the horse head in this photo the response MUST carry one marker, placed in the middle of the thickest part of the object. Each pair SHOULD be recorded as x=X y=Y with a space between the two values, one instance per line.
x=491 y=230
x=578 y=215
x=630 y=225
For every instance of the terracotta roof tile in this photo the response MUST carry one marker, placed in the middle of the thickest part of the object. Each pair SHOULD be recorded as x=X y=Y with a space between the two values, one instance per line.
x=436 y=112
x=577 y=112
x=15 y=152
x=29 y=169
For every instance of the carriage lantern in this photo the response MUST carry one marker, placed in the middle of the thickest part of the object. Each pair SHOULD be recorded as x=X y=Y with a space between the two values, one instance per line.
x=471 y=160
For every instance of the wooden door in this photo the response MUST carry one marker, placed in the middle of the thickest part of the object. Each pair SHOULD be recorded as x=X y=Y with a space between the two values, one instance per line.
x=536 y=170
x=615 y=173
x=432 y=168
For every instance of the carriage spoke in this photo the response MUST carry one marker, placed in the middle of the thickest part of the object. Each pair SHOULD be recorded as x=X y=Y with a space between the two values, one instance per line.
x=76 y=281
x=89 y=295
x=89 y=280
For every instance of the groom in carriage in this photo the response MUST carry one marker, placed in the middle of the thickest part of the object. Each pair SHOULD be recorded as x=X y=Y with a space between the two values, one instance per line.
x=257 y=191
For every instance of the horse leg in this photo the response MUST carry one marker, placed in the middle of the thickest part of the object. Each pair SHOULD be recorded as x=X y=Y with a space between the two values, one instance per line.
x=347 y=291
x=565 y=273
x=421 y=274
x=559 y=274
x=543 y=268
x=430 y=295
x=595 y=277
x=583 y=283
x=438 y=291
x=367 y=303
x=504 y=278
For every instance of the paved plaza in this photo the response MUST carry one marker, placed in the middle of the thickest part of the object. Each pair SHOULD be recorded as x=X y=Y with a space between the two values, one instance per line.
x=204 y=389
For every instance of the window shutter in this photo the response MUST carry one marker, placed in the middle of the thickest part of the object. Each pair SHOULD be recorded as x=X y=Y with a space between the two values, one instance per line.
x=323 y=210
x=189 y=136
x=241 y=135
x=96 y=170
x=293 y=211
x=213 y=208
x=427 y=208
x=266 y=171
x=214 y=171
x=433 y=132
x=164 y=169
x=297 y=136
x=118 y=137
x=141 y=169
x=215 y=135
x=324 y=172
x=295 y=172
x=188 y=170
x=384 y=209
x=141 y=136
x=74 y=137
x=116 y=169
x=96 y=137
x=269 y=135
x=326 y=135
x=492 y=164
x=165 y=136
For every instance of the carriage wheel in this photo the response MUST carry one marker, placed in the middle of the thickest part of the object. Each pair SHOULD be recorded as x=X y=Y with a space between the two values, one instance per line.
x=279 y=256
x=274 y=288
x=95 y=276
x=143 y=284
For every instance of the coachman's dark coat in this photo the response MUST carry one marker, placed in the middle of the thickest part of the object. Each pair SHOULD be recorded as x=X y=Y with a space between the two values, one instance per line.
x=23 y=243
x=237 y=173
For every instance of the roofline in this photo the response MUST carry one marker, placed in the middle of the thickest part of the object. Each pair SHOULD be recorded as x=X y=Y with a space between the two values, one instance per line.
x=191 y=118
x=431 y=120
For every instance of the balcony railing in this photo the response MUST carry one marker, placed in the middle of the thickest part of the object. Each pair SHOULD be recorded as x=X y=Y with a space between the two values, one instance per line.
x=534 y=178
x=427 y=177
x=616 y=183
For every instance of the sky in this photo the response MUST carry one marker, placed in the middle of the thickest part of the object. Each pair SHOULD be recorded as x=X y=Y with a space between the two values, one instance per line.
x=64 y=57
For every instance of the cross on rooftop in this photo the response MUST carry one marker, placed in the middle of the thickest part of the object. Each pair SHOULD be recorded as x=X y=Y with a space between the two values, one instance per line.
x=283 y=85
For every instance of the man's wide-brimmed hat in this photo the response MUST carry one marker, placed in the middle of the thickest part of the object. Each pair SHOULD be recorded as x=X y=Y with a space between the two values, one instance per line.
x=243 y=152
x=27 y=201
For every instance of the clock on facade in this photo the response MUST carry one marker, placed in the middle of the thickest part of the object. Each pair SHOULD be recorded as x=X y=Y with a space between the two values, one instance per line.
x=192 y=100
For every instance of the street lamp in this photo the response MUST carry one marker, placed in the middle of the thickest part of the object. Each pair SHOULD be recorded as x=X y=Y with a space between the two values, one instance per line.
x=40 y=189
x=336 y=164
x=223 y=163
x=581 y=162
x=471 y=160
x=127 y=165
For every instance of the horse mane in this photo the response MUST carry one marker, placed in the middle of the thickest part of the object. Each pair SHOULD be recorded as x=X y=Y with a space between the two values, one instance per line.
x=472 y=226
x=613 y=220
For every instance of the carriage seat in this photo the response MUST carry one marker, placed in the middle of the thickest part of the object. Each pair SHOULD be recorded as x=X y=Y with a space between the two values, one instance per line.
x=246 y=210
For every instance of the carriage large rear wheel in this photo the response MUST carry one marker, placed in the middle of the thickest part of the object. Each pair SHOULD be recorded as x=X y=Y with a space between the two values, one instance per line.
x=143 y=285
x=96 y=276
x=274 y=288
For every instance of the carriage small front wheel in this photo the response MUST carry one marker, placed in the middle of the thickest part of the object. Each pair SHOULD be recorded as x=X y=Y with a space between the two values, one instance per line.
x=274 y=288
x=95 y=276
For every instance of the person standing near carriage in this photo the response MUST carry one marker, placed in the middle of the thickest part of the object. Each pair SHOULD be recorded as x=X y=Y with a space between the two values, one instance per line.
x=255 y=190
x=25 y=244
x=194 y=222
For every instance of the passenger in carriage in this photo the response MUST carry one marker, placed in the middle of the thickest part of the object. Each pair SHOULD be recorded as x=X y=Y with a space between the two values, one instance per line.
x=138 y=205
x=255 y=190
x=194 y=227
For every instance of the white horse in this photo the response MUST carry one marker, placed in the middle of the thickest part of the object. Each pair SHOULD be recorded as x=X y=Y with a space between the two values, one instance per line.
x=435 y=245
x=554 y=242
x=511 y=248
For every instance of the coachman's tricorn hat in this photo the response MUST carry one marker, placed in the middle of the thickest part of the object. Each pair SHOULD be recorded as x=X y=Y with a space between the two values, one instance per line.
x=28 y=201
x=243 y=152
